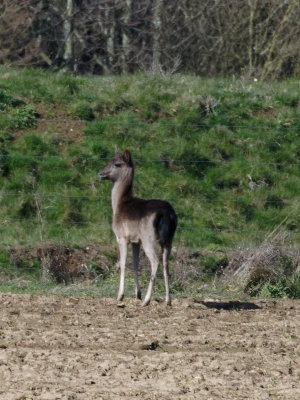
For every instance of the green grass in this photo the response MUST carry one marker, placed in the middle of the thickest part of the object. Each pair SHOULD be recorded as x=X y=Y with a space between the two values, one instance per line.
x=193 y=140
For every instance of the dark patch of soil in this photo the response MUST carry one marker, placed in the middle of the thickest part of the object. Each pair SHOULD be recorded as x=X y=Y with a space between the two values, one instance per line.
x=69 y=129
x=268 y=113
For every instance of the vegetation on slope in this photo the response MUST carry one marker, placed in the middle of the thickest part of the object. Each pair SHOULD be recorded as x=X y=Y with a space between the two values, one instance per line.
x=225 y=153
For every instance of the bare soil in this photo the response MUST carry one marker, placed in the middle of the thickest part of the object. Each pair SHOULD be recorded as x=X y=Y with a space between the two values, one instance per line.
x=71 y=348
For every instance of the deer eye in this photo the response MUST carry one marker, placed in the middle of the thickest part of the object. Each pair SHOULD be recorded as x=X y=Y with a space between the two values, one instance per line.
x=118 y=165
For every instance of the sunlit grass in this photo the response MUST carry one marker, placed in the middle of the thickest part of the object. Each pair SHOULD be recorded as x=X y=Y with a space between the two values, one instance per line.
x=195 y=142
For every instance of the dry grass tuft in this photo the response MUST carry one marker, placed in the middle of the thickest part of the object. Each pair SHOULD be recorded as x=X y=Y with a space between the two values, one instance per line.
x=273 y=259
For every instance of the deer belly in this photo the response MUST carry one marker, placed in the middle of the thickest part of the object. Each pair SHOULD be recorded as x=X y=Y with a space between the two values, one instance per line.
x=128 y=232
x=132 y=237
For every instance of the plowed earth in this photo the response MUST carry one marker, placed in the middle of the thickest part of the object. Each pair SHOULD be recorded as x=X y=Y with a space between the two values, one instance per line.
x=88 y=348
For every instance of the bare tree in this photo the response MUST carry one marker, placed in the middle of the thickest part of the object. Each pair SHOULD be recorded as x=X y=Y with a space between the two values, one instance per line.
x=18 y=44
x=68 y=22
x=211 y=38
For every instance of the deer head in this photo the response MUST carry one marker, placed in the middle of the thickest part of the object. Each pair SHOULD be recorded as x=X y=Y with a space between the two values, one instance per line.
x=119 y=168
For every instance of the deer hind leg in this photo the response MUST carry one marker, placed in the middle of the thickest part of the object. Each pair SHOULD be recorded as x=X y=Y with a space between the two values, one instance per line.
x=149 y=248
x=123 y=255
x=135 y=263
x=165 y=256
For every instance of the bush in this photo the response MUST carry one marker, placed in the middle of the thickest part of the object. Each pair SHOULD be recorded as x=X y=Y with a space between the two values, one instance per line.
x=83 y=111
x=214 y=264
x=269 y=269
x=8 y=101
x=23 y=117
x=282 y=288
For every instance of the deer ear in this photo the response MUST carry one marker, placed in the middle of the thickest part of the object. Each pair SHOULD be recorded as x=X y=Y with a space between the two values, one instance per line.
x=127 y=157
x=117 y=150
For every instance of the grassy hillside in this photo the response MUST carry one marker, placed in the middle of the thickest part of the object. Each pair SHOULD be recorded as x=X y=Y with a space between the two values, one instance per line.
x=194 y=142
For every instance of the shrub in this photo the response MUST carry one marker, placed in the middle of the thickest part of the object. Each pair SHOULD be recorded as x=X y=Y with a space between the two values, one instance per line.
x=23 y=117
x=282 y=287
x=83 y=111
x=214 y=263
x=6 y=100
x=267 y=269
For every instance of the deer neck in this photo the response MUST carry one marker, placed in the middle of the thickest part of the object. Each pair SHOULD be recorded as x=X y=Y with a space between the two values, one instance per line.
x=121 y=191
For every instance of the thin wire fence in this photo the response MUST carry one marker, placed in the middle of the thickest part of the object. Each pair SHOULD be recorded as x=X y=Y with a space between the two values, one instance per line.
x=201 y=199
x=71 y=159
x=182 y=229
x=100 y=223
x=282 y=127
x=180 y=253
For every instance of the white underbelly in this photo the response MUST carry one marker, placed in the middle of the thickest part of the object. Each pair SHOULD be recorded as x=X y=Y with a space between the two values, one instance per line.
x=124 y=232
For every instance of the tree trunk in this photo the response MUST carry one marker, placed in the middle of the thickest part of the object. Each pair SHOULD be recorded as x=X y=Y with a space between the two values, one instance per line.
x=68 y=53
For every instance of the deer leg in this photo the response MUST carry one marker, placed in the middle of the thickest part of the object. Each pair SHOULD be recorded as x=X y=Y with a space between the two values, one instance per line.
x=152 y=256
x=123 y=255
x=165 y=256
x=135 y=263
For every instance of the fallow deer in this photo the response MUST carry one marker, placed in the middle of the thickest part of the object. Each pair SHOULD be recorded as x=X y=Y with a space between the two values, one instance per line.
x=138 y=221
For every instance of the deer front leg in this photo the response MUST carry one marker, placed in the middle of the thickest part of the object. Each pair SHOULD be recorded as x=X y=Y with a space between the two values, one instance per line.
x=135 y=263
x=123 y=255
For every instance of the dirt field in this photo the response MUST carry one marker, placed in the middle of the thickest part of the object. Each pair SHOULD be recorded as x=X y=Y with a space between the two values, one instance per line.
x=84 y=348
